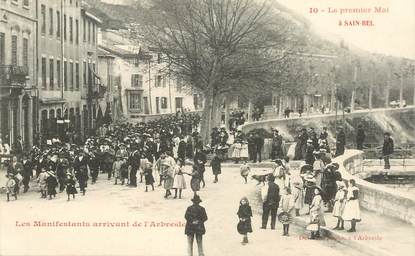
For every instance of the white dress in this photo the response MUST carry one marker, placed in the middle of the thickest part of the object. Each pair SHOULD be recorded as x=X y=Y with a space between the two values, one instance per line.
x=340 y=201
x=351 y=208
x=176 y=142
x=179 y=181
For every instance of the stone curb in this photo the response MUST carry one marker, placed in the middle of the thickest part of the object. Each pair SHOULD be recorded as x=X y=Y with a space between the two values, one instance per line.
x=358 y=245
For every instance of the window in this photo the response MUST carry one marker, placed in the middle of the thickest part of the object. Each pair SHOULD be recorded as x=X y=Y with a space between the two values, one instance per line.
x=51 y=74
x=51 y=21
x=26 y=53
x=136 y=81
x=93 y=33
x=14 y=50
x=71 y=72
x=2 y=49
x=64 y=26
x=158 y=80
x=158 y=58
x=65 y=75
x=163 y=102
x=135 y=102
x=85 y=78
x=76 y=31
x=179 y=84
x=70 y=29
x=43 y=16
x=89 y=31
x=26 y=3
x=58 y=73
x=77 y=76
x=84 y=32
x=43 y=73
x=58 y=24
x=164 y=81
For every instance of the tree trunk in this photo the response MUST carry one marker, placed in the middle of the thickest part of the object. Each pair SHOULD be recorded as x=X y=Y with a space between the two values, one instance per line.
x=370 y=96
x=401 y=92
x=352 y=100
x=227 y=101
x=387 y=90
x=206 y=117
x=249 y=111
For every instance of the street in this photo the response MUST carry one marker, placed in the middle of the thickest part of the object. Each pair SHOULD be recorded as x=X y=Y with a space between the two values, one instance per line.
x=108 y=203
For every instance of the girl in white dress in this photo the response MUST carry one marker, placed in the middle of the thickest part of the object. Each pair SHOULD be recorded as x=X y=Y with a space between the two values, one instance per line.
x=339 y=202
x=179 y=182
x=352 y=209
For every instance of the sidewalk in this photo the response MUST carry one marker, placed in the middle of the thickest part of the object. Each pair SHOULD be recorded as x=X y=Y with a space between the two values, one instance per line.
x=376 y=235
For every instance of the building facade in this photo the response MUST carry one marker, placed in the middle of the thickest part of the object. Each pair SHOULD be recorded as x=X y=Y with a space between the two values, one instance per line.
x=142 y=85
x=17 y=71
x=67 y=57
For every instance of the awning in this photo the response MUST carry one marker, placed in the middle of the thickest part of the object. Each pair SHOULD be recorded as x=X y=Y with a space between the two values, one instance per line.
x=52 y=101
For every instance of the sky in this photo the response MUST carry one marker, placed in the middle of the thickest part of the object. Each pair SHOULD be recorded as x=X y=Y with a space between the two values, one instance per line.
x=393 y=32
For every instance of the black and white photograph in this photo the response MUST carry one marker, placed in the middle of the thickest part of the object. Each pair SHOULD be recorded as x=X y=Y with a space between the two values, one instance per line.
x=207 y=127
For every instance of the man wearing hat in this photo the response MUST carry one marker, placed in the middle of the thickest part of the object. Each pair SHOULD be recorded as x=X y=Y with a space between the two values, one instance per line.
x=276 y=146
x=134 y=161
x=258 y=145
x=195 y=218
x=61 y=169
x=387 y=149
x=340 y=142
x=270 y=194
x=330 y=176
x=81 y=167
x=27 y=172
x=360 y=137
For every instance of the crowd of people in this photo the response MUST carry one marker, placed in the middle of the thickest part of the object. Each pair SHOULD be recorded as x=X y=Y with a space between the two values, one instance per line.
x=153 y=151
x=156 y=153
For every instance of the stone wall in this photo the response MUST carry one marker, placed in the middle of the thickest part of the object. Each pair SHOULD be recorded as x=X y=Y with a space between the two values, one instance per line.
x=375 y=197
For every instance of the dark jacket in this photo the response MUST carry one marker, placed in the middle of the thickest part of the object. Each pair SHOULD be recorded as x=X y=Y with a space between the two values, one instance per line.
x=273 y=195
x=216 y=165
x=387 y=146
x=195 y=217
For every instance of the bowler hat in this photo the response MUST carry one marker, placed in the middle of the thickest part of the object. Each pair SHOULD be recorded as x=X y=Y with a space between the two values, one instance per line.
x=196 y=199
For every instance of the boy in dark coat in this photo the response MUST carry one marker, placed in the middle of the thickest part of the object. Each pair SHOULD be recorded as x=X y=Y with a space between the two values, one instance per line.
x=51 y=184
x=195 y=218
x=216 y=166
x=387 y=149
x=244 y=215
x=70 y=186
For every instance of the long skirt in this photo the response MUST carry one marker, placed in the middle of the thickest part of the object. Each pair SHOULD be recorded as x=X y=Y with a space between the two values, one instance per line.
x=309 y=194
x=179 y=182
x=320 y=218
x=338 y=208
x=299 y=198
x=71 y=189
x=244 y=227
x=168 y=183
x=352 y=210
x=195 y=184
x=244 y=151
x=149 y=179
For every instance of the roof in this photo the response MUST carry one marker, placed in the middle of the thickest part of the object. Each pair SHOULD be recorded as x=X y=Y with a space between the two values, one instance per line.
x=104 y=53
x=122 y=52
x=92 y=17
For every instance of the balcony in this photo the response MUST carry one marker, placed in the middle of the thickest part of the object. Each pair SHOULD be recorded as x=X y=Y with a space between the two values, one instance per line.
x=13 y=76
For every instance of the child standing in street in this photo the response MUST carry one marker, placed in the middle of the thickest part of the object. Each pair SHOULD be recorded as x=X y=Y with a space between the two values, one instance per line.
x=70 y=186
x=11 y=187
x=179 y=183
x=244 y=225
x=148 y=174
x=287 y=208
x=244 y=170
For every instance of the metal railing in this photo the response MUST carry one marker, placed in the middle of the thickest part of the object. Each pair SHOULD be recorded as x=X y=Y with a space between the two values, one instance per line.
x=11 y=75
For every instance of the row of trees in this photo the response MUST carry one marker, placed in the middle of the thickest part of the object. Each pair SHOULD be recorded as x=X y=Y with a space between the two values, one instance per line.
x=244 y=48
